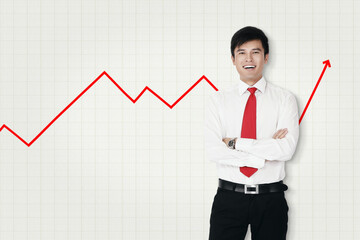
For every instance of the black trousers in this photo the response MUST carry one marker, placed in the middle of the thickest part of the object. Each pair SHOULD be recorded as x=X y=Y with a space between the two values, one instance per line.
x=232 y=212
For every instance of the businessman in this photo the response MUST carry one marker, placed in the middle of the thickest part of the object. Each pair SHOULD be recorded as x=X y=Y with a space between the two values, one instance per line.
x=251 y=130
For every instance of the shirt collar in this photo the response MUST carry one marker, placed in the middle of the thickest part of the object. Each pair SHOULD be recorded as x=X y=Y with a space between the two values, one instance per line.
x=260 y=85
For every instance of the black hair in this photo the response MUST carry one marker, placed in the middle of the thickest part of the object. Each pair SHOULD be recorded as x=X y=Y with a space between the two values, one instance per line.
x=247 y=34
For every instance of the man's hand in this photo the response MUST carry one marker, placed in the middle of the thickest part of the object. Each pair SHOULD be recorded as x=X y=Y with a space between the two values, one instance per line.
x=226 y=140
x=280 y=133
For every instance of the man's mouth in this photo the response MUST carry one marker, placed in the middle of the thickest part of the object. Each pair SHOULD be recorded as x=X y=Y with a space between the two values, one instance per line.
x=249 y=66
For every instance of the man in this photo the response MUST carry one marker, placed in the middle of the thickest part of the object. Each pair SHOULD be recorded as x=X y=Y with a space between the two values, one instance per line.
x=251 y=130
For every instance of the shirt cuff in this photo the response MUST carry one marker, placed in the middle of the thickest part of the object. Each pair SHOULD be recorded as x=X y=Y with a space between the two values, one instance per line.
x=243 y=144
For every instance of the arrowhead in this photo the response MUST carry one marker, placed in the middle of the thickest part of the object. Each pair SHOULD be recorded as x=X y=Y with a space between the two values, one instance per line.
x=327 y=62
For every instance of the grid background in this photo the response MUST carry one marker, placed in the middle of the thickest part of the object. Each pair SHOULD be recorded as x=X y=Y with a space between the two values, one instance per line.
x=111 y=169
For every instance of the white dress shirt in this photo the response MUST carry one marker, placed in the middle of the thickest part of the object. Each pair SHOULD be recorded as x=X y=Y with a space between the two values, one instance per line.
x=276 y=108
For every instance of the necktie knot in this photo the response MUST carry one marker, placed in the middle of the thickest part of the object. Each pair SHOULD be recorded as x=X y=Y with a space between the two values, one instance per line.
x=252 y=90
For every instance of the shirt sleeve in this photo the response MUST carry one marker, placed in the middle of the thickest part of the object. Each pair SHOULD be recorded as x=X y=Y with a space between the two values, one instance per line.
x=216 y=149
x=276 y=149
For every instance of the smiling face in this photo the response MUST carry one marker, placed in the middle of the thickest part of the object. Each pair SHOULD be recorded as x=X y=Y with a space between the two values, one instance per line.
x=249 y=60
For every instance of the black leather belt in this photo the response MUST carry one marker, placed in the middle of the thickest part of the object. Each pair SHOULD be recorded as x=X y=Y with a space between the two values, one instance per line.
x=253 y=189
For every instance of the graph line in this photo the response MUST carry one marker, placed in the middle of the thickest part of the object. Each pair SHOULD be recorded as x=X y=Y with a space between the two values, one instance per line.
x=146 y=88
x=4 y=126
x=327 y=64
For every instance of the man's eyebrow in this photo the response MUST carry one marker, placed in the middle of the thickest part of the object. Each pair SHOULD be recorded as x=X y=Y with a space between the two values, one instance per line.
x=254 y=49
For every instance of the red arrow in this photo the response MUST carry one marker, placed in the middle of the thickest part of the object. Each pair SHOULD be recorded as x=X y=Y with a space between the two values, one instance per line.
x=327 y=64
x=4 y=126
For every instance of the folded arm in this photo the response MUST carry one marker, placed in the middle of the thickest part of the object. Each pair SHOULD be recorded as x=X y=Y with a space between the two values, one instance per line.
x=276 y=149
x=216 y=149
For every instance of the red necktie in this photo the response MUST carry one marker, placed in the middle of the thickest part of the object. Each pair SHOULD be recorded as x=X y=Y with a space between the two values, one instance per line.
x=248 y=129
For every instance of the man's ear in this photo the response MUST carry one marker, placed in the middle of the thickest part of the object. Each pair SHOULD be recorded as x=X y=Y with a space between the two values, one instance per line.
x=266 y=58
x=233 y=59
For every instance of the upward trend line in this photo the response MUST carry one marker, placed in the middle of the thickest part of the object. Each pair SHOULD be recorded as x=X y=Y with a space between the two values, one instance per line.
x=4 y=126
x=327 y=64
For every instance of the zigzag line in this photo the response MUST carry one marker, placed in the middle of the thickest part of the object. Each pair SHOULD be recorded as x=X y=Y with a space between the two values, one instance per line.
x=4 y=126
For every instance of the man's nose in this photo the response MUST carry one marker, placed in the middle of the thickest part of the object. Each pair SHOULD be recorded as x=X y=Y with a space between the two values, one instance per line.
x=248 y=57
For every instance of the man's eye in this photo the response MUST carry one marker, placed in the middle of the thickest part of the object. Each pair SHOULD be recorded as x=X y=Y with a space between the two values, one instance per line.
x=256 y=52
x=241 y=52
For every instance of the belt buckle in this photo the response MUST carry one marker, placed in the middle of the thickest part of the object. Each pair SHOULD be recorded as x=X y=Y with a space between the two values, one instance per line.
x=247 y=189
